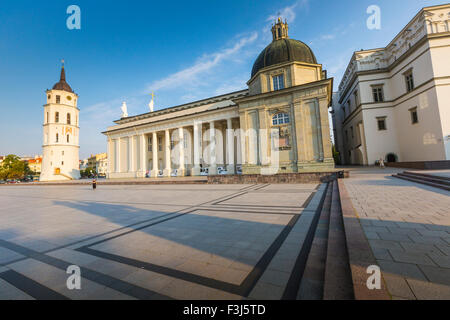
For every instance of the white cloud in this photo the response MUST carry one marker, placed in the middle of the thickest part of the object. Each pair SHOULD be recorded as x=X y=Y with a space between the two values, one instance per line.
x=288 y=12
x=328 y=37
x=204 y=64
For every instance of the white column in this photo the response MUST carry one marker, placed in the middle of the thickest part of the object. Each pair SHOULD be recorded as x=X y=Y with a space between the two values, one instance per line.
x=131 y=166
x=212 y=147
x=154 y=172
x=181 y=167
x=167 y=169
x=197 y=151
x=119 y=169
x=230 y=147
x=143 y=154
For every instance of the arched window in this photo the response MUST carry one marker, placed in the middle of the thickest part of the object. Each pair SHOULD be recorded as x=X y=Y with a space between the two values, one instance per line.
x=57 y=137
x=280 y=118
x=68 y=118
x=67 y=138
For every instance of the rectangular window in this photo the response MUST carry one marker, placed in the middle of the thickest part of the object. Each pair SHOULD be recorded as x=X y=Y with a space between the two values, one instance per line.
x=68 y=118
x=414 y=116
x=278 y=82
x=351 y=130
x=381 y=124
x=58 y=99
x=150 y=144
x=346 y=135
x=378 y=94
x=409 y=81
x=356 y=97
x=57 y=117
x=160 y=144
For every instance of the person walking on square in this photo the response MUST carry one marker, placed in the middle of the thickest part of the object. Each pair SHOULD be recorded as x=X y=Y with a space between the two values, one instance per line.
x=94 y=184
x=382 y=166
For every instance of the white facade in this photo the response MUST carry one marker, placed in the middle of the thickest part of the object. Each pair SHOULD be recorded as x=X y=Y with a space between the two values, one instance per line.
x=177 y=141
x=393 y=102
x=61 y=134
x=101 y=167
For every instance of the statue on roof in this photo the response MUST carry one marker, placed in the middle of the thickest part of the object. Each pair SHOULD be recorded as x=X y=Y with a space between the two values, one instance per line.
x=124 y=110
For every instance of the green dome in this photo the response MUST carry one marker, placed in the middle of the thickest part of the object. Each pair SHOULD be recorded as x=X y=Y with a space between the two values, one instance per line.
x=283 y=50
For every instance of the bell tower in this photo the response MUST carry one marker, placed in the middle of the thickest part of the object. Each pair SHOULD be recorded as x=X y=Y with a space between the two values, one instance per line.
x=61 y=133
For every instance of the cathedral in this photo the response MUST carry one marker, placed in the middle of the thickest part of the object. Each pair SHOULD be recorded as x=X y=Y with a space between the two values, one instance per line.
x=61 y=133
x=279 y=124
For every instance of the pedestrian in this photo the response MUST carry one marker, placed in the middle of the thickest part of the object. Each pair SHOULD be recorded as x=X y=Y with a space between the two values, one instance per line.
x=94 y=184
x=382 y=163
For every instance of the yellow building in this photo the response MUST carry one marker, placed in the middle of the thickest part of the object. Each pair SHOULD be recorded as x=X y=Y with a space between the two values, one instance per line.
x=35 y=165
x=278 y=125
x=99 y=162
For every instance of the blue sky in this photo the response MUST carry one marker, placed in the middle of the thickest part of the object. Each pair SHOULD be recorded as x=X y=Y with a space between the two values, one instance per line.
x=182 y=50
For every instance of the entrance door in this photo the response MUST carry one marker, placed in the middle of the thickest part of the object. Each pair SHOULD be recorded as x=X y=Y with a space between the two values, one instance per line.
x=391 y=157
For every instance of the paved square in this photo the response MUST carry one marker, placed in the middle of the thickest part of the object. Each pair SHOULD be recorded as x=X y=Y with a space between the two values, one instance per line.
x=408 y=228
x=153 y=241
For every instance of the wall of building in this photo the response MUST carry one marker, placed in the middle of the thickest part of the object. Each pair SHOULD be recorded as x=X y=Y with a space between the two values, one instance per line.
x=426 y=56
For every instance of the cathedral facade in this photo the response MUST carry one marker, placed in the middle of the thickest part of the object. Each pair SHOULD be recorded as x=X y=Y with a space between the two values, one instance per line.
x=61 y=133
x=278 y=125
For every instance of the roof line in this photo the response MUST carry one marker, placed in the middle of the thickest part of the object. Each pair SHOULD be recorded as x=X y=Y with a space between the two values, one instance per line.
x=193 y=104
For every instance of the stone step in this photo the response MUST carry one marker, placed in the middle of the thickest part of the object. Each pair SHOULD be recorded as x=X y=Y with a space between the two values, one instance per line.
x=421 y=181
x=311 y=285
x=428 y=175
x=338 y=283
x=429 y=178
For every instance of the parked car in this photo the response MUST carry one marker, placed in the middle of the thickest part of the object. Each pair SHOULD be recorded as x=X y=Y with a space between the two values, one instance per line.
x=2 y=181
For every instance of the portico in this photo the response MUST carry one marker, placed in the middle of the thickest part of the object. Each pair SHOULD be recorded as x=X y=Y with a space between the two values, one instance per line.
x=166 y=145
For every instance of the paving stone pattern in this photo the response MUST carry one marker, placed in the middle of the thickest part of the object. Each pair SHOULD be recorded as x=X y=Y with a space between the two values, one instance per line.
x=408 y=228
x=154 y=241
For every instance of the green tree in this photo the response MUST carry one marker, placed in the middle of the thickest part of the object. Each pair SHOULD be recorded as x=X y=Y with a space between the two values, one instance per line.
x=336 y=155
x=13 y=168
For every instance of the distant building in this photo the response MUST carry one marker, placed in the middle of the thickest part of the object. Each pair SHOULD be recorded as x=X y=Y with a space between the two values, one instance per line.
x=99 y=163
x=102 y=164
x=35 y=164
x=83 y=164
x=393 y=101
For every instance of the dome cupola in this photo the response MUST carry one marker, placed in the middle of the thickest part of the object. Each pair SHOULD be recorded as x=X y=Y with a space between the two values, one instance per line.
x=282 y=49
